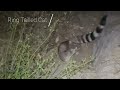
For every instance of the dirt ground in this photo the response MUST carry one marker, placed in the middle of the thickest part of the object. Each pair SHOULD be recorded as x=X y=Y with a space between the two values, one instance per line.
x=70 y=24
x=107 y=53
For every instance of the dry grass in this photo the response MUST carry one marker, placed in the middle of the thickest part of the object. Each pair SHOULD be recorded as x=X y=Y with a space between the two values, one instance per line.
x=20 y=61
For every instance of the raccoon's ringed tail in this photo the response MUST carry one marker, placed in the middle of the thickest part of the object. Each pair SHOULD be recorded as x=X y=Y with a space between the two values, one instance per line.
x=64 y=49
x=93 y=35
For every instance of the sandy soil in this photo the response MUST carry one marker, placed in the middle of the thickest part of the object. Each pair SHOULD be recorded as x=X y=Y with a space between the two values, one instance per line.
x=70 y=24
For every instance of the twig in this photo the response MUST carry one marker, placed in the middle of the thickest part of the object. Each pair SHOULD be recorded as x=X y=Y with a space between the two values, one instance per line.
x=50 y=20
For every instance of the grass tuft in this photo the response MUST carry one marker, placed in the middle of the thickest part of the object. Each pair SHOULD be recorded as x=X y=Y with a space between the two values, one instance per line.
x=20 y=61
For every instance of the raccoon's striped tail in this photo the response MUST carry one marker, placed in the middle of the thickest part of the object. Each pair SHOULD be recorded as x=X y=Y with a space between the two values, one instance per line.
x=93 y=35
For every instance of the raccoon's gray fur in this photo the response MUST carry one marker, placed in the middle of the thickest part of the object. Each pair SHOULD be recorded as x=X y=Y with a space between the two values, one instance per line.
x=66 y=50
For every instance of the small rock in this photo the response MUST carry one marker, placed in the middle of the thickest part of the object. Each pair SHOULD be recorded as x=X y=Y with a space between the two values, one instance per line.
x=57 y=39
x=81 y=27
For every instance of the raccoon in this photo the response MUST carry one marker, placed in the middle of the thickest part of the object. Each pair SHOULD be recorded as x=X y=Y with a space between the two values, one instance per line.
x=67 y=48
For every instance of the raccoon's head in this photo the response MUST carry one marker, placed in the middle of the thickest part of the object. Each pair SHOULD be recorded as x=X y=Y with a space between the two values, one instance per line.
x=65 y=51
